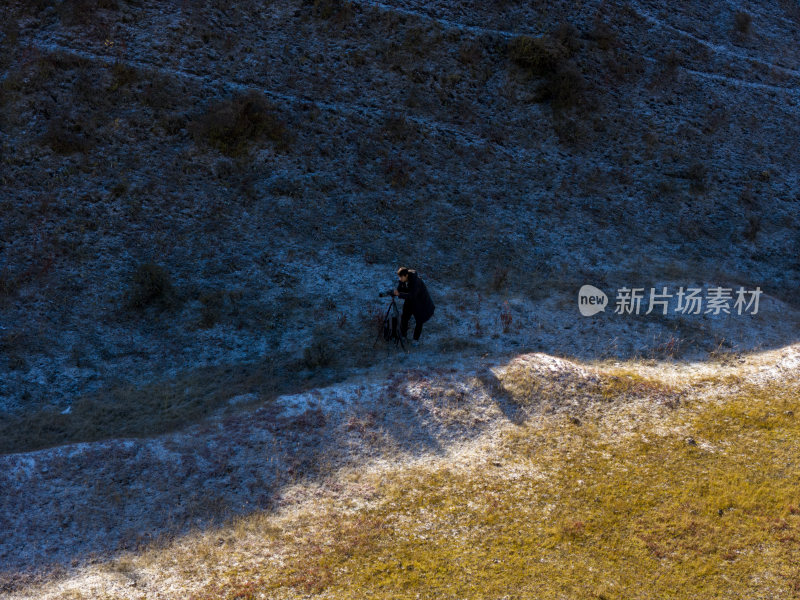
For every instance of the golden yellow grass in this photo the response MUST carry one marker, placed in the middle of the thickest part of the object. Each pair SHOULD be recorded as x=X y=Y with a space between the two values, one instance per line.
x=636 y=500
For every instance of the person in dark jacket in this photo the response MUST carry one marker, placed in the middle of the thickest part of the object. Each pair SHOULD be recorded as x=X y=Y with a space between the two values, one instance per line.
x=417 y=301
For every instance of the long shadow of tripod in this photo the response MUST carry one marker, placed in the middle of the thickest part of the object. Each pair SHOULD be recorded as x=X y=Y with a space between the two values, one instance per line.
x=389 y=326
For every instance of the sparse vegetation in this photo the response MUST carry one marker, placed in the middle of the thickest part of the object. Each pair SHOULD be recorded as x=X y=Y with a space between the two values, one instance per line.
x=121 y=410
x=564 y=89
x=122 y=76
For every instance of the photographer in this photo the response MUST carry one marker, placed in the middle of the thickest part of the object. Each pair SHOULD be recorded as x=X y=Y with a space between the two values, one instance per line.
x=417 y=301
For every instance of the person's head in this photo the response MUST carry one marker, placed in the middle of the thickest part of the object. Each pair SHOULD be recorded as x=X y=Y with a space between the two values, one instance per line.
x=402 y=273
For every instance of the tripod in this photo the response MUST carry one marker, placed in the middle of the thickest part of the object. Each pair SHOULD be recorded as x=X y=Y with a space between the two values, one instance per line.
x=389 y=326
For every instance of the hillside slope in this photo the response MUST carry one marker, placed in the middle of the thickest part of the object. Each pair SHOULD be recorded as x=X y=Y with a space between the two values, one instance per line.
x=279 y=160
x=200 y=202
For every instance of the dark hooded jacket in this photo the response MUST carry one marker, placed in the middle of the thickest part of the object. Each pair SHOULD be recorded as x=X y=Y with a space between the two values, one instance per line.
x=414 y=292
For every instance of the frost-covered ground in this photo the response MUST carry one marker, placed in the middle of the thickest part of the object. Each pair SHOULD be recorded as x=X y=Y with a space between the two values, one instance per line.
x=415 y=140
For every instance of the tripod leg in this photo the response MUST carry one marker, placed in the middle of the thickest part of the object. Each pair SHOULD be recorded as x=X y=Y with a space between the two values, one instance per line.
x=380 y=331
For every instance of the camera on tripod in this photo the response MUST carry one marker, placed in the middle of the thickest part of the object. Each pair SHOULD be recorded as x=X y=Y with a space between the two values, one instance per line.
x=389 y=327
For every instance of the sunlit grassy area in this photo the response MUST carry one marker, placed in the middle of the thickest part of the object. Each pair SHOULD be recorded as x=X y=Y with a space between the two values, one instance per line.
x=697 y=499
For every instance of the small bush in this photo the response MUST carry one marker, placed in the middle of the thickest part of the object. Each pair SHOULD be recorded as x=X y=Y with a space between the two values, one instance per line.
x=333 y=10
x=568 y=36
x=75 y=12
x=67 y=136
x=547 y=57
x=670 y=62
x=470 y=52
x=122 y=76
x=397 y=128
x=752 y=228
x=742 y=23
x=540 y=57
x=696 y=173
x=397 y=171
x=564 y=89
x=604 y=35
x=499 y=278
x=231 y=125
x=748 y=198
x=160 y=92
x=213 y=304
x=505 y=317
x=318 y=354
x=150 y=285
x=8 y=284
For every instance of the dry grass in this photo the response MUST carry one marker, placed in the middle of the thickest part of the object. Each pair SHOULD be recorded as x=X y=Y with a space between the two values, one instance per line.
x=128 y=410
x=590 y=515
x=607 y=384
x=697 y=501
